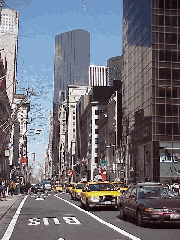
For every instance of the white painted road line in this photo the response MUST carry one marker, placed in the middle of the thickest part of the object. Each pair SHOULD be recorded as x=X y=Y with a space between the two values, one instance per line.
x=12 y=224
x=45 y=220
x=117 y=229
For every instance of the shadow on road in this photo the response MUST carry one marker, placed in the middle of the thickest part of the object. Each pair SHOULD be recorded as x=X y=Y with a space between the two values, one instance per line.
x=154 y=225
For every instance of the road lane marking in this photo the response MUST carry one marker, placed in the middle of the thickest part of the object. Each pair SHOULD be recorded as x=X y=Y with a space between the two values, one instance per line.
x=12 y=224
x=45 y=220
x=71 y=220
x=39 y=199
x=34 y=221
x=56 y=221
x=117 y=229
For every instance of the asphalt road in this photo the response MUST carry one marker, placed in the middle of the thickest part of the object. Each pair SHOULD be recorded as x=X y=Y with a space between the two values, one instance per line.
x=57 y=217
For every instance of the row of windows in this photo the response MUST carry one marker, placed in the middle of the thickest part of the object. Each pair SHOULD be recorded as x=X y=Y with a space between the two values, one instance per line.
x=167 y=73
x=169 y=92
x=167 y=38
x=169 y=128
x=165 y=55
x=162 y=20
x=168 y=4
x=168 y=110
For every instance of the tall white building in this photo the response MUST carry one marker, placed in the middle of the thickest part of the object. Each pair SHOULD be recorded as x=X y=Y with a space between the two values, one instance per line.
x=8 y=47
x=98 y=75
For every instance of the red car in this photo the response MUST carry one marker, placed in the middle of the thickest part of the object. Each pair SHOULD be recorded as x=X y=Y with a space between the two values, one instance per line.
x=150 y=203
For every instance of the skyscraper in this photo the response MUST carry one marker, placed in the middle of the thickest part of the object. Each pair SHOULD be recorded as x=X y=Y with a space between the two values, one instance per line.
x=71 y=67
x=151 y=89
x=72 y=57
x=8 y=47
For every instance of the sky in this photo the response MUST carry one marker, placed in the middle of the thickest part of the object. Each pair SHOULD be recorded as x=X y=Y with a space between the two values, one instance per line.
x=39 y=22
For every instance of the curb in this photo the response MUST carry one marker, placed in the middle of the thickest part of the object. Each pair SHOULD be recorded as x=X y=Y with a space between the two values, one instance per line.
x=9 y=207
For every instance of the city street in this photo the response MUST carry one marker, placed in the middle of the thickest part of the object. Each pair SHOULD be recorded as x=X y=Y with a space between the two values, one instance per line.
x=56 y=216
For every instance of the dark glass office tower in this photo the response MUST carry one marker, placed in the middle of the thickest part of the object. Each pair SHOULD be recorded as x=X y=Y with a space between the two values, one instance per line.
x=72 y=59
x=151 y=89
x=71 y=67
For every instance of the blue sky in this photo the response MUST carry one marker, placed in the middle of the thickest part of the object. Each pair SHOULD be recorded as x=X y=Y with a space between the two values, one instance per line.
x=40 y=21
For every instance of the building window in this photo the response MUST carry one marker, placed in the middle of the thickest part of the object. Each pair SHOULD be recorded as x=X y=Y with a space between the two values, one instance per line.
x=175 y=110
x=96 y=150
x=161 y=128
x=161 y=109
x=96 y=159
x=96 y=112
x=161 y=20
x=168 y=110
x=96 y=131
x=161 y=3
x=168 y=128
x=96 y=140
x=73 y=117
x=73 y=129
x=162 y=92
x=96 y=121
x=175 y=129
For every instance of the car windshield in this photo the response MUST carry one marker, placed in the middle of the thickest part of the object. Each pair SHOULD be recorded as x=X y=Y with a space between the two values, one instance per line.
x=154 y=192
x=70 y=185
x=121 y=185
x=47 y=182
x=80 y=186
x=101 y=187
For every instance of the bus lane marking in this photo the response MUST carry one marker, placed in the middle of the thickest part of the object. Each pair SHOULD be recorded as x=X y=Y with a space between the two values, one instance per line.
x=115 y=228
x=12 y=224
x=71 y=220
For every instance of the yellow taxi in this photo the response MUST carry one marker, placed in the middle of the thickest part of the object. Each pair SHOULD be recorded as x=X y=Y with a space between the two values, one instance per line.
x=58 y=187
x=120 y=186
x=76 y=190
x=69 y=187
x=98 y=194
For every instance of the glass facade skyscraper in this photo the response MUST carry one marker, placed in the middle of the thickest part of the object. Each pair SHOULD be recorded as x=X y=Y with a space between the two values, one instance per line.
x=151 y=89
x=71 y=67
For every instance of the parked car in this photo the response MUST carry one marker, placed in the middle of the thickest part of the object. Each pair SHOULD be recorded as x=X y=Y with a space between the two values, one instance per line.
x=70 y=186
x=76 y=191
x=120 y=186
x=47 y=184
x=98 y=194
x=150 y=203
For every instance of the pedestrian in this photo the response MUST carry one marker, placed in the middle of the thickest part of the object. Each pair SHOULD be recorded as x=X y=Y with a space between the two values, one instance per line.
x=176 y=189
x=12 y=187
x=1 y=190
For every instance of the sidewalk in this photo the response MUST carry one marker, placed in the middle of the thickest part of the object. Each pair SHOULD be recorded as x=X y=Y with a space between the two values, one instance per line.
x=5 y=205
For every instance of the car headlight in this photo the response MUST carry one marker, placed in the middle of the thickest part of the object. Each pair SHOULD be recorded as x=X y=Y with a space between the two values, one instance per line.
x=153 y=210
x=94 y=199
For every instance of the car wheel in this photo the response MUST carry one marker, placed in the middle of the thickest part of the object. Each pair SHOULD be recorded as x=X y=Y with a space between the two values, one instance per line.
x=122 y=215
x=72 y=197
x=139 y=219
x=87 y=205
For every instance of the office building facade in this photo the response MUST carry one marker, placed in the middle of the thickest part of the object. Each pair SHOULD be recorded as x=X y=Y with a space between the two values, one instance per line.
x=8 y=47
x=151 y=89
x=115 y=65
x=98 y=75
